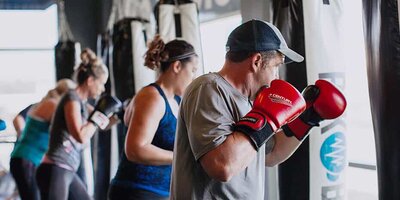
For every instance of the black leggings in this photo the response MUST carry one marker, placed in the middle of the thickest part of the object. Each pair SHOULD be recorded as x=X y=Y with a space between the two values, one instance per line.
x=56 y=183
x=23 y=172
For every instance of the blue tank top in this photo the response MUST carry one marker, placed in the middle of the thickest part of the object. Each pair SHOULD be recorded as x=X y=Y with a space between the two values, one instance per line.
x=34 y=141
x=151 y=178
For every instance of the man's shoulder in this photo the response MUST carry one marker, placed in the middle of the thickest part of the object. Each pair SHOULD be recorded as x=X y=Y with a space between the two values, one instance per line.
x=211 y=77
x=209 y=81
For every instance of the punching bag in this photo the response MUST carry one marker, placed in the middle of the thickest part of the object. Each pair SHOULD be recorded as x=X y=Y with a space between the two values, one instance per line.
x=382 y=41
x=323 y=23
x=102 y=144
x=132 y=25
x=66 y=50
x=294 y=172
x=180 y=20
x=129 y=46
x=122 y=66
x=65 y=58
x=122 y=46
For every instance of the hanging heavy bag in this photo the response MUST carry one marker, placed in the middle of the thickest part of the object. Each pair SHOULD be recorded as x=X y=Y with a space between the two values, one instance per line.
x=66 y=50
x=180 y=20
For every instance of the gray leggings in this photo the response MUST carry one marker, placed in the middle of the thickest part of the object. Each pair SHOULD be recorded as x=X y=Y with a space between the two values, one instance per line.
x=59 y=184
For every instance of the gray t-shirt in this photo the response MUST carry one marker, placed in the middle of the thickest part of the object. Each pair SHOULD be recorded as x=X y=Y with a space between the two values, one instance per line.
x=64 y=150
x=208 y=111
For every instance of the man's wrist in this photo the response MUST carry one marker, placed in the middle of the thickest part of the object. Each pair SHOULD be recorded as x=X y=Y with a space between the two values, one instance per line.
x=297 y=128
x=257 y=137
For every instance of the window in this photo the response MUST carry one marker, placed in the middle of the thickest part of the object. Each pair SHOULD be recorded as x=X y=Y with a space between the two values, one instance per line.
x=214 y=35
x=27 y=41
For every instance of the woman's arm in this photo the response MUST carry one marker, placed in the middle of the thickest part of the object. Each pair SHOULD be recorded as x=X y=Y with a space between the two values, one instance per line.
x=19 y=124
x=81 y=132
x=147 y=110
x=19 y=120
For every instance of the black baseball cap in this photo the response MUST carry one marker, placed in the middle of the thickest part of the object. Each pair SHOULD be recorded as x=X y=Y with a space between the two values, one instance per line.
x=256 y=36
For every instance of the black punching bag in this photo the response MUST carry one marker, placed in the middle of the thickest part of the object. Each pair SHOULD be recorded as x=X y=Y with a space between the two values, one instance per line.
x=66 y=50
x=128 y=50
x=102 y=147
x=122 y=59
x=382 y=38
x=65 y=56
x=294 y=172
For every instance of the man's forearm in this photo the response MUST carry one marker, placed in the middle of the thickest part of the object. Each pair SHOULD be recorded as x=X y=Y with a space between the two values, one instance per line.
x=283 y=149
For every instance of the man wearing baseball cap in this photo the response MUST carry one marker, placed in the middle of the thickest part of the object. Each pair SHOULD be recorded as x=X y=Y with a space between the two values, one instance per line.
x=230 y=125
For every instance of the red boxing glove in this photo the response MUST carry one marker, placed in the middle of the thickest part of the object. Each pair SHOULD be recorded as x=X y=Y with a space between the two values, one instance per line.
x=274 y=106
x=324 y=101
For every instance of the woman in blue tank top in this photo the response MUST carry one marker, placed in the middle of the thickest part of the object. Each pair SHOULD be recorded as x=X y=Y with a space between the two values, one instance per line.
x=32 y=144
x=145 y=167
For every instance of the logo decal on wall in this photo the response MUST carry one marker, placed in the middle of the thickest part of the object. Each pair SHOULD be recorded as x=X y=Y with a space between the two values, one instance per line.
x=333 y=155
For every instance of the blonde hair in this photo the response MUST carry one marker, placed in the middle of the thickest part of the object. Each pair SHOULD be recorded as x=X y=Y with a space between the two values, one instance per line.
x=62 y=86
x=90 y=65
x=87 y=56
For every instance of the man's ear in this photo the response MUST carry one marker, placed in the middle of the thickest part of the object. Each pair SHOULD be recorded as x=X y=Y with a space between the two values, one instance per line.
x=176 y=66
x=256 y=61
